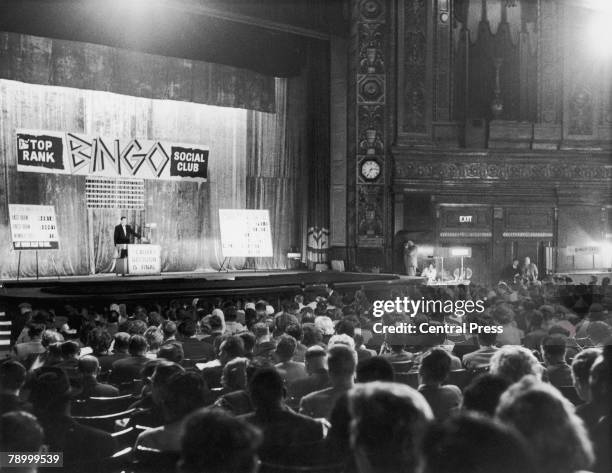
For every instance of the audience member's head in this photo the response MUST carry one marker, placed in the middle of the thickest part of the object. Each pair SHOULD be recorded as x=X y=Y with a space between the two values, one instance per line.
x=70 y=350
x=341 y=363
x=295 y=330
x=375 y=368
x=312 y=335
x=513 y=362
x=471 y=443
x=154 y=339
x=341 y=339
x=230 y=348
x=51 y=392
x=169 y=329
x=249 y=341
x=99 y=339
x=234 y=377
x=137 y=345
x=214 y=441
x=88 y=366
x=121 y=342
x=12 y=376
x=553 y=349
x=388 y=423
x=435 y=367
x=581 y=368
x=159 y=380
x=171 y=351
x=21 y=432
x=184 y=393
x=547 y=420
x=285 y=349
x=483 y=393
x=315 y=359
x=267 y=389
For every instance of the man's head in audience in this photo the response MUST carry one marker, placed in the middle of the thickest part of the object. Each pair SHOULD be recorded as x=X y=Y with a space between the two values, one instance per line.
x=267 y=390
x=70 y=350
x=89 y=367
x=553 y=349
x=184 y=393
x=187 y=328
x=121 y=343
x=341 y=363
x=312 y=335
x=169 y=330
x=51 y=392
x=341 y=339
x=600 y=383
x=262 y=332
x=213 y=441
x=345 y=326
x=230 y=348
x=513 y=362
x=581 y=368
x=285 y=349
x=483 y=393
x=159 y=380
x=375 y=368
x=435 y=367
x=154 y=339
x=171 y=351
x=548 y=422
x=388 y=422
x=137 y=345
x=99 y=339
x=216 y=324
x=474 y=444
x=295 y=330
x=249 y=341
x=21 y=432
x=315 y=359
x=12 y=377
x=234 y=376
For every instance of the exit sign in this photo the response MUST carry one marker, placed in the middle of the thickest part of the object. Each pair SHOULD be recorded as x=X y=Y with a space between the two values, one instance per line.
x=465 y=218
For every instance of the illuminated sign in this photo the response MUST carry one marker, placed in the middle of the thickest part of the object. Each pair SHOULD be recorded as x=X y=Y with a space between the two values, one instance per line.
x=465 y=218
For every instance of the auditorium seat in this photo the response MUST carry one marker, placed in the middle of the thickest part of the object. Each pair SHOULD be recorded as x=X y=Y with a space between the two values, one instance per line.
x=154 y=461
x=411 y=379
x=117 y=463
x=402 y=366
x=104 y=422
x=569 y=392
x=97 y=406
x=126 y=437
x=460 y=378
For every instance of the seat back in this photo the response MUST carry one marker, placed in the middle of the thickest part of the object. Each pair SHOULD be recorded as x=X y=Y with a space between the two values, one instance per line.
x=402 y=366
x=569 y=392
x=460 y=378
x=104 y=422
x=411 y=379
x=97 y=406
x=155 y=461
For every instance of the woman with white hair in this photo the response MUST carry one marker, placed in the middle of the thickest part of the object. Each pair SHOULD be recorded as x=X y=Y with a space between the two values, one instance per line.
x=513 y=362
x=547 y=420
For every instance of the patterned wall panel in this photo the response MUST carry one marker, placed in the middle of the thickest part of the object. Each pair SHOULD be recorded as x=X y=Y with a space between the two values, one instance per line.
x=370 y=67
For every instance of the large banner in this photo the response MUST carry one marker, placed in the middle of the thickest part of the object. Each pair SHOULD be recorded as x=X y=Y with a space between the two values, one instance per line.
x=78 y=154
x=33 y=227
x=245 y=233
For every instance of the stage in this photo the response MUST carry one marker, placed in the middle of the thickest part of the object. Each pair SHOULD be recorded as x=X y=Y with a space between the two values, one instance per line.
x=108 y=288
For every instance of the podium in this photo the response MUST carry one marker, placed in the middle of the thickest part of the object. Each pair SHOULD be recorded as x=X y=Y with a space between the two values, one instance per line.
x=140 y=260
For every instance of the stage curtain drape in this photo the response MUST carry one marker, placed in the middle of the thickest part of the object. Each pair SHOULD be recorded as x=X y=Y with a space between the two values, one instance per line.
x=257 y=160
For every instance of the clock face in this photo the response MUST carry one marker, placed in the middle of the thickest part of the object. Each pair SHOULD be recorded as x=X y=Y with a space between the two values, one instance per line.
x=370 y=169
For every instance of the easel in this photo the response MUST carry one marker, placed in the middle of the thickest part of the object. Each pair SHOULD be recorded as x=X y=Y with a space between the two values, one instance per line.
x=19 y=265
x=227 y=260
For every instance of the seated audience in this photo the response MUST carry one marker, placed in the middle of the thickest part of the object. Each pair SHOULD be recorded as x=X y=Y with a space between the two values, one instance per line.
x=281 y=426
x=290 y=370
x=232 y=326
x=127 y=369
x=28 y=350
x=90 y=369
x=120 y=346
x=434 y=370
x=474 y=444
x=184 y=393
x=51 y=396
x=388 y=423
x=317 y=379
x=234 y=376
x=557 y=372
x=341 y=363
x=481 y=358
x=295 y=330
x=230 y=347
x=264 y=345
x=514 y=362
x=21 y=432
x=376 y=368
x=154 y=338
x=483 y=393
x=547 y=420
x=215 y=442
x=511 y=334
x=171 y=351
x=12 y=379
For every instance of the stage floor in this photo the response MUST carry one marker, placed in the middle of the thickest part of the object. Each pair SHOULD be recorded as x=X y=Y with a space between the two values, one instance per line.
x=112 y=288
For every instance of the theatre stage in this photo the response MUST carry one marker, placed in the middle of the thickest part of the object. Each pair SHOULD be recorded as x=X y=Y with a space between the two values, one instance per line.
x=107 y=288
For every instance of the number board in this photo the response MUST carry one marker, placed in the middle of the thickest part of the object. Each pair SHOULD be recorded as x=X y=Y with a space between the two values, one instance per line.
x=33 y=227
x=245 y=233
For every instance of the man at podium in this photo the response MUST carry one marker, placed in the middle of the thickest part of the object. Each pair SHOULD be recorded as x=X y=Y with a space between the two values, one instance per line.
x=124 y=235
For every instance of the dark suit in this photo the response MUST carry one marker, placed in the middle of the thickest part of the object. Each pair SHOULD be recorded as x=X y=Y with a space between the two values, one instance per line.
x=302 y=387
x=124 y=237
x=127 y=369
x=195 y=349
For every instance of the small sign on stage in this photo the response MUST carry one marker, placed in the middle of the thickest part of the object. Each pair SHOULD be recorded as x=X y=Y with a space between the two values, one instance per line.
x=143 y=259
x=33 y=227
x=245 y=233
